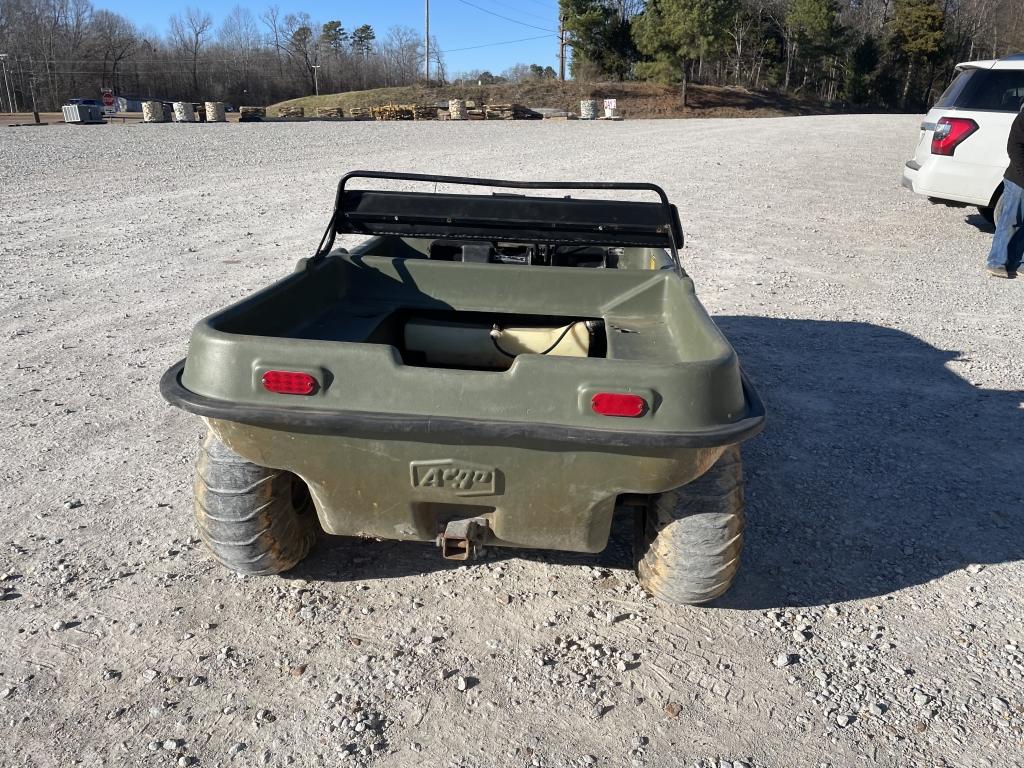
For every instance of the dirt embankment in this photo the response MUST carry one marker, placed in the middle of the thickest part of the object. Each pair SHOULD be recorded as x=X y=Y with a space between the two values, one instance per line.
x=635 y=100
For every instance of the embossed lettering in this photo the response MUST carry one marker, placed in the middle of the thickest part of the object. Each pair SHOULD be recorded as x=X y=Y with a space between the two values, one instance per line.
x=457 y=478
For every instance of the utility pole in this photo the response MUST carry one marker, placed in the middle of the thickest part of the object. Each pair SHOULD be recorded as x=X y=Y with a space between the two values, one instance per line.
x=32 y=87
x=561 y=47
x=316 y=77
x=426 y=39
x=10 y=101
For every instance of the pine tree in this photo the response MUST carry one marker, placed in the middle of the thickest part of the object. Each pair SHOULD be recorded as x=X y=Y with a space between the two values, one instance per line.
x=599 y=34
x=917 y=33
x=675 y=33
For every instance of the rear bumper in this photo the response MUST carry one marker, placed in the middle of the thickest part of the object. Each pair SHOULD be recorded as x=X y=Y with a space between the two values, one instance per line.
x=405 y=477
x=320 y=421
x=944 y=179
x=909 y=172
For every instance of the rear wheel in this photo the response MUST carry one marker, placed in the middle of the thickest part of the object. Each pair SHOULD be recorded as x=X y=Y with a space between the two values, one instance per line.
x=991 y=213
x=255 y=520
x=688 y=540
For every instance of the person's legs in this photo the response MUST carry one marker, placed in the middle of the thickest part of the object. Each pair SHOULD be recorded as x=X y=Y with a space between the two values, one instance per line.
x=1015 y=251
x=1008 y=243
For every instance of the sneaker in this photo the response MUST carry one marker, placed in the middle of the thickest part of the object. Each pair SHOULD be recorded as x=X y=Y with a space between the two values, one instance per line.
x=1000 y=272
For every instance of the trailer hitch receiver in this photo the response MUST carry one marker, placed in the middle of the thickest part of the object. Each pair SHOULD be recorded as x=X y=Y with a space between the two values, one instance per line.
x=463 y=539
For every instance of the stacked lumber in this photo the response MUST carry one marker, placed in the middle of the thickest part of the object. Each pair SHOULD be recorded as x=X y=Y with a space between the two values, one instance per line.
x=509 y=112
x=360 y=113
x=405 y=112
x=334 y=113
x=392 y=112
x=424 y=111
x=251 y=114
x=291 y=112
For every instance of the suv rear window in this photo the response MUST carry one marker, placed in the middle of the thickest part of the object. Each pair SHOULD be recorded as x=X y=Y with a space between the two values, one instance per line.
x=1000 y=90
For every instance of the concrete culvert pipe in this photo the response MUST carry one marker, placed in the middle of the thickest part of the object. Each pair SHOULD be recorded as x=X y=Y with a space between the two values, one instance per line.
x=215 y=112
x=457 y=109
x=588 y=109
x=152 y=112
x=184 y=112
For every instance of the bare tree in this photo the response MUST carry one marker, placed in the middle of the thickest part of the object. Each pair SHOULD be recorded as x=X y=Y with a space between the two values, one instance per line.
x=114 y=38
x=188 y=35
x=402 y=55
x=301 y=42
x=271 y=19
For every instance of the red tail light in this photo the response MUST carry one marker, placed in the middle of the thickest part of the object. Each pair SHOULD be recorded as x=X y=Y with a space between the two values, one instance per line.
x=289 y=382
x=618 y=404
x=950 y=133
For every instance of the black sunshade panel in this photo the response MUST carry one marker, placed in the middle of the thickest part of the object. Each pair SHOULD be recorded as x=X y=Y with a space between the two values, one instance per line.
x=506 y=217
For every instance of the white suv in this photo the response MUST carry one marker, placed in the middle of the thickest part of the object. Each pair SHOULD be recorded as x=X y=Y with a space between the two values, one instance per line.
x=961 y=154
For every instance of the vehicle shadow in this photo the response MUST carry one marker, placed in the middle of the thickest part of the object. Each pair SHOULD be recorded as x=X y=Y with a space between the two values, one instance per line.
x=979 y=222
x=879 y=469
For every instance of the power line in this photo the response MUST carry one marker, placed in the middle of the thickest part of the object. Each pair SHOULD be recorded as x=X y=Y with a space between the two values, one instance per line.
x=523 y=13
x=507 y=18
x=491 y=45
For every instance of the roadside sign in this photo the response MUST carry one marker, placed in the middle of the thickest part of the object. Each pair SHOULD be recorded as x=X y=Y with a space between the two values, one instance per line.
x=109 y=105
x=610 y=104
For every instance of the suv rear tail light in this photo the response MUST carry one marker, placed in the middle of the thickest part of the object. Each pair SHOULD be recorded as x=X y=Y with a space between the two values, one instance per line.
x=289 y=382
x=618 y=404
x=950 y=133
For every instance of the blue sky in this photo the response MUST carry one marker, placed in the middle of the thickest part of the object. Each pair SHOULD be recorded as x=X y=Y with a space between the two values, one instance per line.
x=455 y=23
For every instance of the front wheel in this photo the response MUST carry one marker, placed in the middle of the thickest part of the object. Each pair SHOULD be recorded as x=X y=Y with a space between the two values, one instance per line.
x=688 y=541
x=255 y=520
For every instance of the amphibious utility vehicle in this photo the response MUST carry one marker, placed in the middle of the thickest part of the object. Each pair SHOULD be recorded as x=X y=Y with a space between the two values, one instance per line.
x=483 y=370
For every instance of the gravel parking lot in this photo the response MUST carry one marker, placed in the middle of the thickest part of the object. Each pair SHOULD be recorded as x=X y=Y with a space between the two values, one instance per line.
x=877 y=619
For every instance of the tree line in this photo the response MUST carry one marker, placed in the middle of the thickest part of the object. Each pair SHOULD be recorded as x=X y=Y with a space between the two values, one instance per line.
x=60 y=49
x=894 y=54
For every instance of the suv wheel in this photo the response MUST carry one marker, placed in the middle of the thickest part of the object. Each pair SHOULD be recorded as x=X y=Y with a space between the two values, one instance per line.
x=991 y=213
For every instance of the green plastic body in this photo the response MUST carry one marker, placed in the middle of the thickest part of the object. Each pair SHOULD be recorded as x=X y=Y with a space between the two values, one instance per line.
x=337 y=319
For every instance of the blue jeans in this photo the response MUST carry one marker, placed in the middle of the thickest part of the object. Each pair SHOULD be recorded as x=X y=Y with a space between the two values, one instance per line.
x=1008 y=244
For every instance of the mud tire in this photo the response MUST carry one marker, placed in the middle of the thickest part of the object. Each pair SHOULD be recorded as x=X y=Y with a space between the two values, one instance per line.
x=688 y=540
x=254 y=520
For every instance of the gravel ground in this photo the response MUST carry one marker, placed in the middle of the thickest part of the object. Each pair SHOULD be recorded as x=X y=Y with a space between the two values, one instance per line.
x=877 y=618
